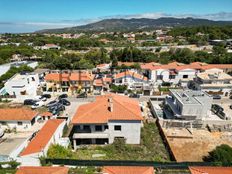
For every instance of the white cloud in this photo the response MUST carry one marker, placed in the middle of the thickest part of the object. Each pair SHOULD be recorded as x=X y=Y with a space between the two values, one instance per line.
x=30 y=26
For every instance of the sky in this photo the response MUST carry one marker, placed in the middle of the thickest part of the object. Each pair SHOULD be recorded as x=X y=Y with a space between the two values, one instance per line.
x=31 y=15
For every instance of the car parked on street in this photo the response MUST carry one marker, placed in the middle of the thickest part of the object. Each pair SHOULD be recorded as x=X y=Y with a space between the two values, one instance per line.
x=82 y=95
x=51 y=103
x=37 y=105
x=217 y=97
x=29 y=102
x=64 y=102
x=63 y=96
x=46 y=96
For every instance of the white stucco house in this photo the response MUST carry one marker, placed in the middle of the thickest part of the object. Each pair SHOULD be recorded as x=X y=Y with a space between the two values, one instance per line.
x=215 y=81
x=106 y=119
x=187 y=104
x=22 y=85
x=177 y=73
x=20 y=119
x=131 y=79
x=51 y=133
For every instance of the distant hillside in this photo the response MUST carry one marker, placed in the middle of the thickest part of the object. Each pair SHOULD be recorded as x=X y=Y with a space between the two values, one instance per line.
x=135 y=24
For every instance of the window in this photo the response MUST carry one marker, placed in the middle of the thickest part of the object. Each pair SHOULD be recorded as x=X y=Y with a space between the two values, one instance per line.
x=106 y=127
x=185 y=76
x=20 y=123
x=172 y=76
x=159 y=77
x=98 y=128
x=86 y=127
x=117 y=128
x=3 y=122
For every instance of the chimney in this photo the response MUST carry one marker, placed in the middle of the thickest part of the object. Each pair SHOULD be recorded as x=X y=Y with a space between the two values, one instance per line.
x=110 y=104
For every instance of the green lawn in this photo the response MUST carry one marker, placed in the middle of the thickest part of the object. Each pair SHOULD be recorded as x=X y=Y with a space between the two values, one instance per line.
x=7 y=171
x=150 y=149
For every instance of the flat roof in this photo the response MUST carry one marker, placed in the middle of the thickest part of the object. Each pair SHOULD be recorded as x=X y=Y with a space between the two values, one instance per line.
x=8 y=145
x=190 y=96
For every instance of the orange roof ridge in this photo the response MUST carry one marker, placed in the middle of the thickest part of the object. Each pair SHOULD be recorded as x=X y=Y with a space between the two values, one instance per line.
x=42 y=137
x=42 y=170
x=98 y=111
x=8 y=114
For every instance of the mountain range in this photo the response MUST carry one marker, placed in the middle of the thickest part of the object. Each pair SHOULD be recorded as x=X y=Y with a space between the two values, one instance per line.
x=136 y=24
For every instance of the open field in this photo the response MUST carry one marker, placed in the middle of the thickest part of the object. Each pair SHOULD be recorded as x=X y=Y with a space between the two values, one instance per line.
x=193 y=147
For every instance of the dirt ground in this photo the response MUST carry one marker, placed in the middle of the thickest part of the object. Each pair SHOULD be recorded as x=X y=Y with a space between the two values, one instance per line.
x=187 y=146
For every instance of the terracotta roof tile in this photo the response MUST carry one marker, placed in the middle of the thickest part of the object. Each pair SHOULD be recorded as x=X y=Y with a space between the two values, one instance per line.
x=131 y=74
x=42 y=170
x=124 y=108
x=128 y=170
x=47 y=114
x=42 y=138
x=180 y=66
x=210 y=170
x=82 y=76
x=21 y=114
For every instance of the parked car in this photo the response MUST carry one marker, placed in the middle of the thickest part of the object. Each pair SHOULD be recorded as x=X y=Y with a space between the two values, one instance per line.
x=82 y=95
x=29 y=102
x=217 y=108
x=55 y=106
x=46 y=96
x=63 y=96
x=217 y=97
x=51 y=103
x=41 y=98
x=134 y=95
x=64 y=102
x=37 y=105
x=56 y=110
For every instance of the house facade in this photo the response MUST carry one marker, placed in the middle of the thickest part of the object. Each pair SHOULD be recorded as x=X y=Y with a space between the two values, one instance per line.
x=20 y=119
x=131 y=79
x=178 y=73
x=215 y=81
x=51 y=133
x=68 y=82
x=110 y=117
x=22 y=85
x=187 y=104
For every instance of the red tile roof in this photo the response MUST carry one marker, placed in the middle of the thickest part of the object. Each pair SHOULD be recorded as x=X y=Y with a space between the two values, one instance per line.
x=17 y=114
x=210 y=170
x=82 y=76
x=180 y=66
x=128 y=170
x=98 y=82
x=42 y=170
x=47 y=114
x=123 y=108
x=131 y=74
x=40 y=141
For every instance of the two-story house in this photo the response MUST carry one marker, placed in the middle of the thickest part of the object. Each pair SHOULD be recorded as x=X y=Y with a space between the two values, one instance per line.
x=22 y=85
x=68 y=82
x=131 y=79
x=178 y=73
x=187 y=104
x=106 y=119
x=215 y=81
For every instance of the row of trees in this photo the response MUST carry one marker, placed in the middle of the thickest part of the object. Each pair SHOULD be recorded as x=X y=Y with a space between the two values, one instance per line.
x=203 y=33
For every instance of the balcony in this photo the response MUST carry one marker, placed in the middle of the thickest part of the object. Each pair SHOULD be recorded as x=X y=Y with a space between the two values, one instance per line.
x=173 y=107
